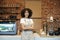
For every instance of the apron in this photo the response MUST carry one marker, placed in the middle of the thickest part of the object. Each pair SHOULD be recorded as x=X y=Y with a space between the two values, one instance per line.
x=27 y=34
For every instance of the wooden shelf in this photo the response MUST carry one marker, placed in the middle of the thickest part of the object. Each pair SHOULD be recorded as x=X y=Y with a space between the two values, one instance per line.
x=9 y=5
x=9 y=13
x=9 y=19
x=11 y=8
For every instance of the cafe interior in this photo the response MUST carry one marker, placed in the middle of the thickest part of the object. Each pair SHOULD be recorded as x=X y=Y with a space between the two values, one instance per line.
x=46 y=17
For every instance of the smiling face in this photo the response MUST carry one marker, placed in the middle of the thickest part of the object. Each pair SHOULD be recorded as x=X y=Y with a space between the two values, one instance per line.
x=26 y=14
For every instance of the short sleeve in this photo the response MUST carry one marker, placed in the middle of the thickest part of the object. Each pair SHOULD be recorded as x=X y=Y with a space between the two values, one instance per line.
x=32 y=21
x=21 y=20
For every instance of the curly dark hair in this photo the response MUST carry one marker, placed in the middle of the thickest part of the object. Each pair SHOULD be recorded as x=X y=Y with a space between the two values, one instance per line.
x=24 y=10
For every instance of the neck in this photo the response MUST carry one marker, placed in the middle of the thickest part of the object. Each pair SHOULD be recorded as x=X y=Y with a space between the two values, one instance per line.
x=25 y=17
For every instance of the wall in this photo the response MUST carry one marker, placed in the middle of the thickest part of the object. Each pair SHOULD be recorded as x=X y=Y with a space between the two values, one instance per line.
x=42 y=9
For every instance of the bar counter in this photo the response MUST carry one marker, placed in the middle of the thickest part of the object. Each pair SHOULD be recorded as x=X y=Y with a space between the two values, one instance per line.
x=36 y=37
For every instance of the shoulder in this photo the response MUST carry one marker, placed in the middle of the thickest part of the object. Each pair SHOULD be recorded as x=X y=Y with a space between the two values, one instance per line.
x=31 y=19
x=22 y=19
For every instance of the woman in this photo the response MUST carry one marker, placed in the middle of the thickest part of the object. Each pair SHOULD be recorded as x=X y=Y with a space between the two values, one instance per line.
x=27 y=24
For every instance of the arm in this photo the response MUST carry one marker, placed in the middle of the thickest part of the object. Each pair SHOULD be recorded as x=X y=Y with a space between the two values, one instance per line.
x=22 y=23
x=32 y=25
x=23 y=26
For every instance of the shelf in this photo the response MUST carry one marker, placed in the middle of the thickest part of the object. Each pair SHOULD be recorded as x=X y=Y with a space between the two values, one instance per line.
x=9 y=19
x=9 y=13
x=10 y=6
